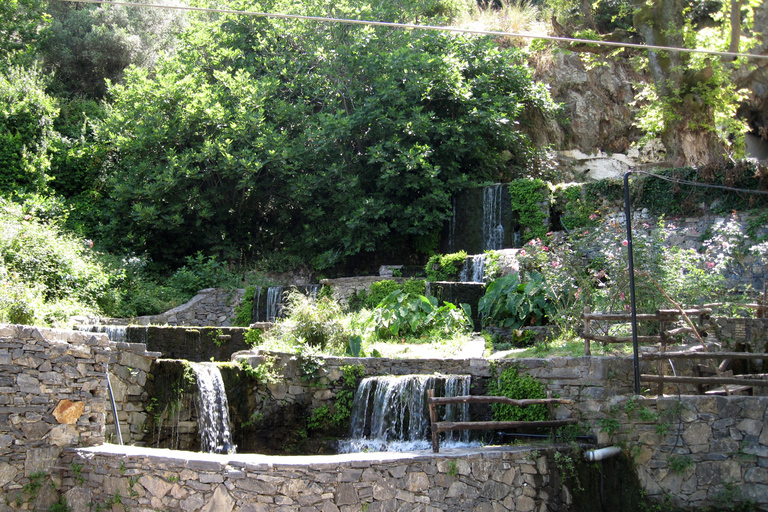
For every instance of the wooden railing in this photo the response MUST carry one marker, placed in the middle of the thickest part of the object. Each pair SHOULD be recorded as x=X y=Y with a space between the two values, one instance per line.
x=447 y=426
x=665 y=338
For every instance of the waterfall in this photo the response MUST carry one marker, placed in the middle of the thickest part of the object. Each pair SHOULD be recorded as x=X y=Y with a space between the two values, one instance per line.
x=212 y=410
x=391 y=413
x=493 y=228
x=274 y=302
x=113 y=332
x=473 y=270
x=452 y=227
x=255 y=304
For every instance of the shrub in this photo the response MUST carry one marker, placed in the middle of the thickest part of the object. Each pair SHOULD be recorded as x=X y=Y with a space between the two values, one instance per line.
x=445 y=267
x=314 y=323
x=513 y=303
x=513 y=385
x=401 y=314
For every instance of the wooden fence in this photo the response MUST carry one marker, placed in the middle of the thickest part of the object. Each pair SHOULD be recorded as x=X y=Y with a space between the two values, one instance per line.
x=667 y=337
x=447 y=426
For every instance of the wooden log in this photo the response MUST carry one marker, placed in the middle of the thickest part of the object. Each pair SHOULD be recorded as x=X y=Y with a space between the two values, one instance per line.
x=705 y=355
x=446 y=426
x=705 y=380
x=433 y=420
x=618 y=317
x=622 y=339
x=587 y=349
x=440 y=400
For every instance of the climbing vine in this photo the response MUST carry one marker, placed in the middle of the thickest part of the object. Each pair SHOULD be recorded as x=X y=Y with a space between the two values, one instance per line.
x=526 y=197
x=445 y=267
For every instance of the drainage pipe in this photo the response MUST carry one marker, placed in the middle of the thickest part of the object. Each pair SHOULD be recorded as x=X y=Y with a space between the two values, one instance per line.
x=114 y=410
x=602 y=453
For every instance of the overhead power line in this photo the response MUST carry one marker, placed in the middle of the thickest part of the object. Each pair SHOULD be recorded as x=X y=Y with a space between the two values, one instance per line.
x=413 y=26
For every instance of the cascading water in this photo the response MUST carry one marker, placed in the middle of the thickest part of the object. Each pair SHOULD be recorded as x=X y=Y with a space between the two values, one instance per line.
x=473 y=270
x=212 y=410
x=113 y=332
x=274 y=302
x=493 y=227
x=391 y=413
x=256 y=302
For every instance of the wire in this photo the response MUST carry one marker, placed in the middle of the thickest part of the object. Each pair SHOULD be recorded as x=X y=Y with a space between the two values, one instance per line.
x=698 y=184
x=428 y=27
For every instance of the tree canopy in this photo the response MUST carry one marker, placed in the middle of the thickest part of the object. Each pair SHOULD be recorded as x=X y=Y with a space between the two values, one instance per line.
x=323 y=141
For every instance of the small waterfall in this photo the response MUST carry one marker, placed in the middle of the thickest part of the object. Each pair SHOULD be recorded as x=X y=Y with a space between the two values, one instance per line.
x=390 y=413
x=493 y=228
x=113 y=332
x=212 y=410
x=473 y=270
x=452 y=227
x=274 y=302
x=255 y=304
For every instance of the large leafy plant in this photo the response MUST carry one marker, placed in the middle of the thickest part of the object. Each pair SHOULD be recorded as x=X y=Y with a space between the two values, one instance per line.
x=513 y=303
x=403 y=314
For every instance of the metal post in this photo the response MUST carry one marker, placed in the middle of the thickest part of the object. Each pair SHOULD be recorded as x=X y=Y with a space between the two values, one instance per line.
x=633 y=310
x=114 y=410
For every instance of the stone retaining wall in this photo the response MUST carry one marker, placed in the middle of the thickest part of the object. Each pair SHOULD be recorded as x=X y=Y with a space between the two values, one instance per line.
x=482 y=481
x=699 y=450
x=210 y=307
x=53 y=400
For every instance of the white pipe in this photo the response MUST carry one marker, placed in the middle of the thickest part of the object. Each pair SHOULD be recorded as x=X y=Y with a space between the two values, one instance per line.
x=602 y=453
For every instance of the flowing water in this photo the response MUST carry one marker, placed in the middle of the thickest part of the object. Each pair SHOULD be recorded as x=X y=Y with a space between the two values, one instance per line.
x=390 y=413
x=493 y=227
x=113 y=332
x=473 y=270
x=212 y=410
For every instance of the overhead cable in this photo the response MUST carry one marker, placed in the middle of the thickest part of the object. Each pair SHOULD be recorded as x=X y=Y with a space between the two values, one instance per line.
x=414 y=26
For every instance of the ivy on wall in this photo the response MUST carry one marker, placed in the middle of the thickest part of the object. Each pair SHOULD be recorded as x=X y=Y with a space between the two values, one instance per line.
x=526 y=197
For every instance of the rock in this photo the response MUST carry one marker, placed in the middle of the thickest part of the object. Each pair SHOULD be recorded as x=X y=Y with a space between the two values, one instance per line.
x=68 y=412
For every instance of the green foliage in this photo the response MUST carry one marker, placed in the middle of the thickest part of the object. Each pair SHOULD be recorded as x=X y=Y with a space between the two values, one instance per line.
x=315 y=323
x=244 y=310
x=609 y=425
x=22 y=24
x=445 y=267
x=87 y=45
x=198 y=273
x=512 y=303
x=512 y=384
x=60 y=506
x=26 y=130
x=264 y=373
x=35 y=483
x=680 y=463
x=253 y=337
x=47 y=275
x=401 y=314
x=526 y=197
x=380 y=290
x=337 y=415
x=232 y=142
x=355 y=346
x=577 y=206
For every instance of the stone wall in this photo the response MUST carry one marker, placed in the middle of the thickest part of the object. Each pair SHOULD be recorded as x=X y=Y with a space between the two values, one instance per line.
x=345 y=287
x=698 y=450
x=129 y=366
x=480 y=480
x=52 y=395
x=211 y=306
x=190 y=343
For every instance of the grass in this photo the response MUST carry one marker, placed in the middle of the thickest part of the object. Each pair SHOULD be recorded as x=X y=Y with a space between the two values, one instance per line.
x=568 y=344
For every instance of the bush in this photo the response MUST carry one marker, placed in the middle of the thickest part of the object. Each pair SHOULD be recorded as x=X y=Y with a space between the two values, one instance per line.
x=199 y=273
x=445 y=267
x=401 y=314
x=314 y=323
x=513 y=385
x=513 y=303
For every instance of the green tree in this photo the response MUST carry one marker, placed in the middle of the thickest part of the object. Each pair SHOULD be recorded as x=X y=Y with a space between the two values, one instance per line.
x=26 y=130
x=22 y=25
x=331 y=141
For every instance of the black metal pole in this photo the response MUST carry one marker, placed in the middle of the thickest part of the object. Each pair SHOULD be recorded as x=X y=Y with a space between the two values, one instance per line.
x=633 y=310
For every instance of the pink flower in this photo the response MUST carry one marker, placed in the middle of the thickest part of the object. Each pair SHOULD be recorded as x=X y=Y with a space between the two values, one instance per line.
x=621 y=295
x=586 y=232
x=522 y=252
x=27 y=217
x=593 y=216
x=710 y=264
x=544 y=248
x=554 y=264
x=549 y=233
x=624 y=243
